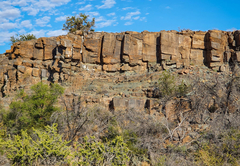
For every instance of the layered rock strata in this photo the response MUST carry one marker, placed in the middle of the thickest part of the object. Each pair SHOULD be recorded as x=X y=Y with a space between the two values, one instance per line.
x=74 y=60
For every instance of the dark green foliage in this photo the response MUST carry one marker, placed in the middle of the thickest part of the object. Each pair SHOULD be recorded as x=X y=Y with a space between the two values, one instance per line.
x=131 y=140
x=80 y=22
x=169 y=87
x=23 y=37
x=33 y=110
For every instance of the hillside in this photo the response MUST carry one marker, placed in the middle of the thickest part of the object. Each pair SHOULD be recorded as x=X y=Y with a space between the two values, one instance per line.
x=173 y=89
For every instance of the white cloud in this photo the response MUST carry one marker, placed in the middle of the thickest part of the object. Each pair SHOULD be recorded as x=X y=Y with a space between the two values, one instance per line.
x=111 y=14
x=98 y=19
x=20 y=2
x=86 y=8
x=127 y=8
x=80 y=3
x=42 y=22
x=107 y=4
x=91 y=14
x=147 y=14
x=143 y=19
x=60 y=1
x=105 y=23
x=231 y=29
x=61 y=18
x=136 y=18
x=42 y=5
x=38 y=33
x=10 y=13
x=128 y=23
x=8 y=25
x=56 y=33
x=5 y=36
x=26 y=24
x=22 y=31
x=31 y=10
x=167 y=7
x=5 y=4
x=130 y=15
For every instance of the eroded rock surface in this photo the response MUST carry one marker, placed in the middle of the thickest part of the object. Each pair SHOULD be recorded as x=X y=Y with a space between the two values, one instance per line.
x=102 y=67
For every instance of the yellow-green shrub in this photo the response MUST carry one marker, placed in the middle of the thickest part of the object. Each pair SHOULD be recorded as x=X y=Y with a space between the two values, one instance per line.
x=92 y=152
x=43 y=147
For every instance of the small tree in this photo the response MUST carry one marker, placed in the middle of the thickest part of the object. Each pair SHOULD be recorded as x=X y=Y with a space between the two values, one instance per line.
x=32 y=110
x=80 y=22
x=23 y=37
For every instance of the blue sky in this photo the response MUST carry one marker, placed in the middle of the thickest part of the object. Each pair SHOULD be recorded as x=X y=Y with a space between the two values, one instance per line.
x=46 y=17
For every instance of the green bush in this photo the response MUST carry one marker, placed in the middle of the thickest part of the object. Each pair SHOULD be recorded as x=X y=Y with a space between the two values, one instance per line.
x=43 y=147
x=80 y=22
x=168 y=86
x=18 y=38
x=92 y=152
x=32 y=110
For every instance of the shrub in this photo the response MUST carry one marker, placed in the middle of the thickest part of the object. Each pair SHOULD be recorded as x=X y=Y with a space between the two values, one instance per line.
x=23 y=37
x=168 y=86
x=80 y=22
x=92 y=152
x=225 y=149
x=44 y=147
x=32 y=110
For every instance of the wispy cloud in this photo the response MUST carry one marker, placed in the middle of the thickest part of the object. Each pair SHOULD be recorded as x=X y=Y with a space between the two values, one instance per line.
x=167 y=7
x=60 y=18
x=107 y=4
x=130 y=15
x=56 y=33
x=92 y=14
x=128 y=23
x=38 y=33
x=111 y=14
x=86 y=8
x=42 y=22
x=10 y=13
x=231 y=29
x=8 y=25
x=26 y=24
x=5 y=36
x=127 y=8
x=105 y=23
x=34 y=6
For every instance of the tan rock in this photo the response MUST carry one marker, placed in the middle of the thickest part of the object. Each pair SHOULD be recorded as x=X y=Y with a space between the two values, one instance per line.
x=38 y=53
x=132 y=50
x=35 y=72
x=111 y=49
x=49 y=45
x=197 y=56
x=112 y=68
x=26 y=49
x=92 y=48
x=150 y=44
x=22 y=69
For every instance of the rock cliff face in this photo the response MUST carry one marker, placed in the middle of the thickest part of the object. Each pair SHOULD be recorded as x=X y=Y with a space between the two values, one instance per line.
x=99 y=66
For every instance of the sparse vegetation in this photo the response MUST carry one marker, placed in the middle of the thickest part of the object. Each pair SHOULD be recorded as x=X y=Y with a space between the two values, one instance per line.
x=80 y=22
x=94 y=136
x=22 y=37
x=34 y=110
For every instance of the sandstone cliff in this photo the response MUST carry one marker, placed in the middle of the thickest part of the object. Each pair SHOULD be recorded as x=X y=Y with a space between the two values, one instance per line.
x=78 y=61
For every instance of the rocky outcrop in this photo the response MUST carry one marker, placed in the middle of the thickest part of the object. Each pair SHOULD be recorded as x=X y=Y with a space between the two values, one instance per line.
x=76 y=61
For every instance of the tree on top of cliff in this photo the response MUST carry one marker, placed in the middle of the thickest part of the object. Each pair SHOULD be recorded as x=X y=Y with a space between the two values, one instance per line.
x=22 y=37
x=80 y=22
